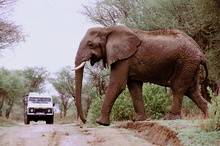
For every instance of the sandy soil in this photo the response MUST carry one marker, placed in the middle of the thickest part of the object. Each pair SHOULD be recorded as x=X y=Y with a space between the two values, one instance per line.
x=153 y=132
x=40 y=134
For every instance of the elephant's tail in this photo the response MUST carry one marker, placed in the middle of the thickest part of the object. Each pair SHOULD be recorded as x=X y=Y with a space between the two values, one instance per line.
x=204 y=64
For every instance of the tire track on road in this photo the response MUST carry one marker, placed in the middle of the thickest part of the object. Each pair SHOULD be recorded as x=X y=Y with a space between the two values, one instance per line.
x=55 y=139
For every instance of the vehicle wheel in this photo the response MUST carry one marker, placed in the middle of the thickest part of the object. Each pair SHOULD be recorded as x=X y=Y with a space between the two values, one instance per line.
x=26 y=119
x=49 y=120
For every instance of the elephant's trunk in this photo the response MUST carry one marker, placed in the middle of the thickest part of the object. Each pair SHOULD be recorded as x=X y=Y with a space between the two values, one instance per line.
x=78 y=90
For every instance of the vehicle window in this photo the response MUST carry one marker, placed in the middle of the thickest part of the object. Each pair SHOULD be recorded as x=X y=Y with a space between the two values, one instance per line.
x=39 y=100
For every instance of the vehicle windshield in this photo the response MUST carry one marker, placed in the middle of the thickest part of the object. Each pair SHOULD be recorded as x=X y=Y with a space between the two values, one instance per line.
x=40 y=100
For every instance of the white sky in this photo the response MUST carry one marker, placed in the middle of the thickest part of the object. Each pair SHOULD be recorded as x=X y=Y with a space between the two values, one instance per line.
x=55 y=29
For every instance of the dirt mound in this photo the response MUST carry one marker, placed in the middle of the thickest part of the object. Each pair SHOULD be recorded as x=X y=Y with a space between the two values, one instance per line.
x=153 y=132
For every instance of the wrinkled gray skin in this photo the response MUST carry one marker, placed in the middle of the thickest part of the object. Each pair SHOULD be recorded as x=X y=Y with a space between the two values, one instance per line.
x=165 y=57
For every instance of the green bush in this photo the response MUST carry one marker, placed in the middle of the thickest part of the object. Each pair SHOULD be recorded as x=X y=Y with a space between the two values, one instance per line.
x=94 y=110
x=157 y=101
x=213 y=123
x=123 y=107
x=157 y=104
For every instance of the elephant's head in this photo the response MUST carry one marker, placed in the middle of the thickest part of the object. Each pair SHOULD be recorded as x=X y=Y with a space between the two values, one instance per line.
x=109 y=44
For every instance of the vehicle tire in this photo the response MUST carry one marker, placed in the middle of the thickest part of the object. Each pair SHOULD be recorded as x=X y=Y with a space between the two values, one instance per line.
x=26 y=119
x=49 y=120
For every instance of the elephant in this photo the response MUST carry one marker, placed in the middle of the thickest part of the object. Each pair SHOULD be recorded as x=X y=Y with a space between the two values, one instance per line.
x=166 y=57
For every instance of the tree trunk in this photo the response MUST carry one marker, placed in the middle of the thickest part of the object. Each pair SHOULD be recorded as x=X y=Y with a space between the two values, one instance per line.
x=64 y=110
x=1 y=105
x=8 y=110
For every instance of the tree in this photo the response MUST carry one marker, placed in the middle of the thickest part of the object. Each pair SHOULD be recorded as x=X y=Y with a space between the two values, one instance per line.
x=3 y=92
x=15 y=91
x=15 y=84
x=198 y=18
x=201 y=20
x=35 y=78
x=96 y=78
x=63 y=84
x=10 y=33
x=11 y=88
x=109 y=12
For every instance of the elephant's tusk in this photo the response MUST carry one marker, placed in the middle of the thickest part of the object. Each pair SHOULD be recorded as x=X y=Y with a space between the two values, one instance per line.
x=80 y=66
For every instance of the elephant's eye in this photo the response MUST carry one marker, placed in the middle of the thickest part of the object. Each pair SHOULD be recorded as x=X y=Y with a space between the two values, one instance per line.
x=90 y=44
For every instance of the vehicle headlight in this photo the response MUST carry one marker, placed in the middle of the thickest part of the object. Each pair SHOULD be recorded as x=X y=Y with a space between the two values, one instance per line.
x=31 y=110
x=49 y=110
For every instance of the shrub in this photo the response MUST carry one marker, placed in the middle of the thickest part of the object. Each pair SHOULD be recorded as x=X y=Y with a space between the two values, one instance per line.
x=213 y=123
x=157 y=101
x=94 y=110
x=157 y=104
x=122 y=109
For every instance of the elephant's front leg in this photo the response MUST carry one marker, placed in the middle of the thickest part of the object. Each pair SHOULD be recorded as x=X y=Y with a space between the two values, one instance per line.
x=117 y=83
x=135 y=89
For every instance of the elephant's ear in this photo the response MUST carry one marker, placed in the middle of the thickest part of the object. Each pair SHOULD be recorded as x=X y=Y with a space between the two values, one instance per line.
x=121 y=43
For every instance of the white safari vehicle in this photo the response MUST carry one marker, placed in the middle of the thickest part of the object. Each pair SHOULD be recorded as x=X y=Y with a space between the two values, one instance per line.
x=38 y=107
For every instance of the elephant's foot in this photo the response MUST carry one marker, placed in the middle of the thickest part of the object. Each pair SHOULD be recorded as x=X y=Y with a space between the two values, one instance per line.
x=171 y=116
x=103 y=121
x=206 y=113
x=139 y=117
x=206 y=116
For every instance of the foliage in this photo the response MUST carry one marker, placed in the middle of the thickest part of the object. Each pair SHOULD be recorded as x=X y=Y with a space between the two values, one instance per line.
x=11 y=88
x=213 y=62
x=10 y=33
x=94 y=110
x=64 y=81
x=196 y=136
x=198 y=18
x=157 y=102
x=96 y=78
x=190 y=134
x=213 y=123
x=14 y=84
x=35 y=78
x=63 y=84
x=123 y=107
x=109 y=12
x=88 y=94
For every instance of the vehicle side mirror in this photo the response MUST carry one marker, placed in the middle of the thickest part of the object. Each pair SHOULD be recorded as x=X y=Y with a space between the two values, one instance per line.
x=53 y=104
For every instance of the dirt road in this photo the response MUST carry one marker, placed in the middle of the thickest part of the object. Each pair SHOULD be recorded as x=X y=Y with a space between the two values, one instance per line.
x=40 y=134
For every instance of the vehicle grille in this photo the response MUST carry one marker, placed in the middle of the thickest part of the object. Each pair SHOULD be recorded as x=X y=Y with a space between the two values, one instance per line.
x=40 y=110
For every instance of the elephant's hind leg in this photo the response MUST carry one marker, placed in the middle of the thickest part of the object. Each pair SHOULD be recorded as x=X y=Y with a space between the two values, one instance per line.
x=175 y=112
x=194 y=94
x=135 y=89
x=178 y=92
